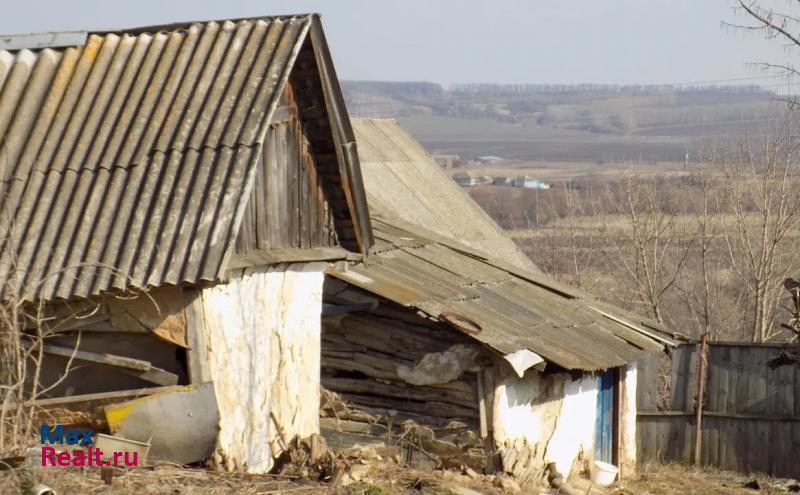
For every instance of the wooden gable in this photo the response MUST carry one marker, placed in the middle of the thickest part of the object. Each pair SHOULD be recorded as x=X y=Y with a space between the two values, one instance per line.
x=307 y=191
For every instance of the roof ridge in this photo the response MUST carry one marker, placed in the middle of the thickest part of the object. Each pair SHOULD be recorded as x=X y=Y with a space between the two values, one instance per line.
x=40 y=40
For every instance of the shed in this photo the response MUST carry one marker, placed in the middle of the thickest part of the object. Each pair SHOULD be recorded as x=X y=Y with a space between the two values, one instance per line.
x=468 y=354
x=169 y=199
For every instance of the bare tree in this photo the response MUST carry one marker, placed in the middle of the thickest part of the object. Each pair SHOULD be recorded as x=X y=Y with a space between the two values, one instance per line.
x=23 y=332
x=653 y=250
x=25 y=327
x=697 y=290
x=759 y=194
x=783 y=25
x=573 y=249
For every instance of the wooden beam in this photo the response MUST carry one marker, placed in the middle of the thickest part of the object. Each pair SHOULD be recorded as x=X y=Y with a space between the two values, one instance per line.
x=701 y=387
x=154 y=375
x=717 y=414
x=197 y=354
x=136 y=367
x=97 y=357
x=349 y=426
x=482 y=413
x=103 y=397
x=285 y=255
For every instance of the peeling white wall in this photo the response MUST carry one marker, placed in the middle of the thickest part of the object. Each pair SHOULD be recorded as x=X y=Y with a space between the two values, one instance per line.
x=550 y=417
x=262 y=332
x=296 y=353
x=574 y=431
x=526 y=408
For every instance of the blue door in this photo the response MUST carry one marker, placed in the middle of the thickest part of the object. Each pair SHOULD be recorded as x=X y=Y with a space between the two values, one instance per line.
x=604 y=423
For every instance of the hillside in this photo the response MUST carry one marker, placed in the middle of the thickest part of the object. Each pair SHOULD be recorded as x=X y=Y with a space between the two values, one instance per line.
x=564 y=122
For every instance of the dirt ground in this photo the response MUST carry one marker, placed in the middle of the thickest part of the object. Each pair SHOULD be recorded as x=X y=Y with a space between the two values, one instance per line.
x=675 y=479
x=380 y=479
x=174 y=480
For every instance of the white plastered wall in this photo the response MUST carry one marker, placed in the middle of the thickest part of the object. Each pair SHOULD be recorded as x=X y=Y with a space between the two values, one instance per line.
x=627 y=451
x=549 y=417
x=262 y=333
x=555 y=416
x=574 y=433
x=526 y=408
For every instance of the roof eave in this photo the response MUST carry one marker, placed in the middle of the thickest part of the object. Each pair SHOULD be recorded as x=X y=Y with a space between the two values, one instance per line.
x=346 y=149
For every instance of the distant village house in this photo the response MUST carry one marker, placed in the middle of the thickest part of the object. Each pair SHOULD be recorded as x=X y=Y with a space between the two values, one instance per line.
x=467 y=179
x=528 y=182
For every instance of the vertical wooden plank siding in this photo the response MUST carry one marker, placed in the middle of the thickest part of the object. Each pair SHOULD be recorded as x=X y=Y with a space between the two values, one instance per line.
x=751 y=419
x=289 y=204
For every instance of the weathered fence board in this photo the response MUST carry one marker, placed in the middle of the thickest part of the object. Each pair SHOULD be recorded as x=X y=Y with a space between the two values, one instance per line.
x=751 y=412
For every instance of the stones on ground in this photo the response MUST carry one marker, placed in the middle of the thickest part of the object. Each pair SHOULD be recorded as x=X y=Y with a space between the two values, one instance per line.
x=358 y=472
x=454 y=489
x=507 y=484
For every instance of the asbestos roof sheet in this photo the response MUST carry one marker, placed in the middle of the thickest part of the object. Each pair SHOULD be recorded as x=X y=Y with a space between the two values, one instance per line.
x=402 y=180
x=124 y=161
x=504 y=307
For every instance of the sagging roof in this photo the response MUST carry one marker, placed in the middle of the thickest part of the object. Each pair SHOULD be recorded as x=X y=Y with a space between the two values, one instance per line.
x=128 y=161
x=403 y=181
x=504 y=307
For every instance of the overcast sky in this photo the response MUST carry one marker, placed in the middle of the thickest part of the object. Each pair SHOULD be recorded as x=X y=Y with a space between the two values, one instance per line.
x=506 y=41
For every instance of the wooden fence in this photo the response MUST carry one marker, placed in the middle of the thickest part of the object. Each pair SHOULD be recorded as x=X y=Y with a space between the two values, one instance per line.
x=750 y=417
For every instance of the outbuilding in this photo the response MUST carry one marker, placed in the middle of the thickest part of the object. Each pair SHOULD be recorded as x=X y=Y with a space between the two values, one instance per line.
x=184 y=205
x=169 y=199
x=449 y=342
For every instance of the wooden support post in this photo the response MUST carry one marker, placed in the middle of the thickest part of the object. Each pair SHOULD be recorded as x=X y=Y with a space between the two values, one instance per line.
x=196 y=338
x=486 y=411
x=701 y=388
x=484 y=429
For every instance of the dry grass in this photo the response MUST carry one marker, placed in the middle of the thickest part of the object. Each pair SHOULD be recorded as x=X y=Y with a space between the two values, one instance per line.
x=379 y=478
x=676 y=479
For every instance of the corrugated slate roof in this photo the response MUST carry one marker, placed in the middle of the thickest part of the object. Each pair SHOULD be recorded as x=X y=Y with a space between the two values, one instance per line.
x=403 y=181
x=125 y=162
x=507 y=308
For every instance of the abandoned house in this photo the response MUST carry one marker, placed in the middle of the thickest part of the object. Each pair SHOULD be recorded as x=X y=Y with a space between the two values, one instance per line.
x=173 y=194
x=184 y=205
x=461 y=347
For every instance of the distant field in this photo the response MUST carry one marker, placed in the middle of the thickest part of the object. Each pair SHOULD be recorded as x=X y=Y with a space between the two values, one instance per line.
x=746 y=127
x=569 y=123
x=469 y=138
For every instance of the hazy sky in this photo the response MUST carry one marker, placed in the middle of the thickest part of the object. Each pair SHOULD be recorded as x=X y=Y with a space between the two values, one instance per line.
x=507 y=41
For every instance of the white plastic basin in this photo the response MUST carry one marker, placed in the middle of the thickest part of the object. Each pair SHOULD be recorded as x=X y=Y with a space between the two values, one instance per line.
x=603 y=473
